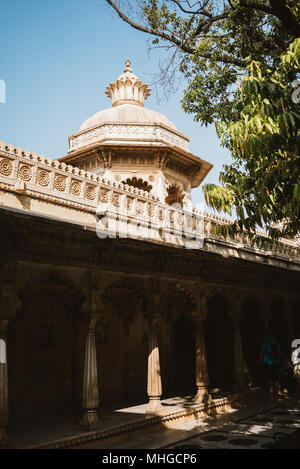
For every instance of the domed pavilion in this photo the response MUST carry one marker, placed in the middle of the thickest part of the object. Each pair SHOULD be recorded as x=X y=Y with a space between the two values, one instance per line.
x=131 y=144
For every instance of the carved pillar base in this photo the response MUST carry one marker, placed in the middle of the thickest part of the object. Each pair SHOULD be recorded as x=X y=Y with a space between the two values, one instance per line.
x=202 y=396
x=154 y=406
x=90 y=420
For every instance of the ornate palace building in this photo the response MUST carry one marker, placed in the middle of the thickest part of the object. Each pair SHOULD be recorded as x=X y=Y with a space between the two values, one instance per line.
x=114 y=288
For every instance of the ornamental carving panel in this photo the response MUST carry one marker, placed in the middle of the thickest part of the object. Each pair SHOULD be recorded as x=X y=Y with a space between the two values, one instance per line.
x=90 y=192
x=75 y=188
x=115 y=200
x=60 y=183
x=43 y=177
x=25 y=173
x=128 y=131
x=130 y=201
x=172 y=217
x=139 y=208
x=103 y=195
x=6 y=167
x=179 y=219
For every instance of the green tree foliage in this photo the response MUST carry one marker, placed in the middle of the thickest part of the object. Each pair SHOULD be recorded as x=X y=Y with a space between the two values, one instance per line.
x=209 y=42
x=216 y=45
x=263 y=182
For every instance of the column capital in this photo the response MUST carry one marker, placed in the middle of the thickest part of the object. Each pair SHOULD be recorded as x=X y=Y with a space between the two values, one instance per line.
x=3 y=326
x=202 y=293
x=152 y=311
x=235 y=303
x=265 y=299
x=199 y=315
x=9 y=301
x=93 y=304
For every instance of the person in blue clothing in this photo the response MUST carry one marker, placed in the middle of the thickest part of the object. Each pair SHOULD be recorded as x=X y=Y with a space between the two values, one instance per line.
x=270 y=355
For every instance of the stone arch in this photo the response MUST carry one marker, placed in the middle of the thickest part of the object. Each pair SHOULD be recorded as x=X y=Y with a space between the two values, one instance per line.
x=46 y=353
x=123 y=366
x=127 y=297
x=218 y=329
x=182 y=294
x=177 y=341
x=139 y=183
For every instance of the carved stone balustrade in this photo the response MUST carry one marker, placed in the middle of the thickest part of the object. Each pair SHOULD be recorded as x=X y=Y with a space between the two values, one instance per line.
x=54 y=188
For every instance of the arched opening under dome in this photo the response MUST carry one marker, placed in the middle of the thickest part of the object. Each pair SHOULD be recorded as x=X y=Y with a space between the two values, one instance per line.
x=139 y=183
x=175 y=195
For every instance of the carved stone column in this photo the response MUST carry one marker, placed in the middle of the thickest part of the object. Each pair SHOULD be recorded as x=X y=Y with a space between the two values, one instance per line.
x=4 y=414
x=90 y=401
x=202 y=378
x=154 y=387
x=236 y=315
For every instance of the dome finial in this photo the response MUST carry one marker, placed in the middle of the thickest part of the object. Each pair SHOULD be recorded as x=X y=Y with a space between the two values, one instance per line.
x=127 y=66
x=128 y=89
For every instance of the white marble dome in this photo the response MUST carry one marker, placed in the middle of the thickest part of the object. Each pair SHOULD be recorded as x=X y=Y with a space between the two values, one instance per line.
x=127 y=120
x=127 y=114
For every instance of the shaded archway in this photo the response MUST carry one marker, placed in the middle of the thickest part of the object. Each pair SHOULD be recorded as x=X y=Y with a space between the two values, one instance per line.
x=177 y=343
x=219 y=343
x=45 y=373
x=184 y=355
x=252 y=332
x=127 y=345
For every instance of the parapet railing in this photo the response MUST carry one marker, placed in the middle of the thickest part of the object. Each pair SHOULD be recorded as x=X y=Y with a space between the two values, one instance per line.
x=122 y=210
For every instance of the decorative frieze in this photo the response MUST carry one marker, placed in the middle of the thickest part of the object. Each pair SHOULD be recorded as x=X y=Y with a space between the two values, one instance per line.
x=43 y=177
x=90 y=192
x=111 y=131
x=60 y=183
x=103 y=195
x=75 y=188
x=126 y=207
x=6 y=167
x=25 y=173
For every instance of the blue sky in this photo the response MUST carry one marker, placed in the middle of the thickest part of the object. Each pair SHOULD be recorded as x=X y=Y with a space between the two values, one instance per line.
x=58 y=56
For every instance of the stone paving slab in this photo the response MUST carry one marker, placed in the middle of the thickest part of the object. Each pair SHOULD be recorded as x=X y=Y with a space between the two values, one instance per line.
x=179 y=431
x=261 y=430
x=222 y=440
x=253 y=428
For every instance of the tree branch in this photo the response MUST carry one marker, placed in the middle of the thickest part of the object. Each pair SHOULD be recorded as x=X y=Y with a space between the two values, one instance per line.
x=201 y=10
x=279 y=9
x=151 y=31
x=226 y=59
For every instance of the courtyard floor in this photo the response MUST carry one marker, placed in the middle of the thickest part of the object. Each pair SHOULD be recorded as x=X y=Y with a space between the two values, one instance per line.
x=254 y=423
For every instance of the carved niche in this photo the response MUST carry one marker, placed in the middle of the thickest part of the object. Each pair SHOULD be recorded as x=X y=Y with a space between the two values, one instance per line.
x=139 y=183
x=127 y=299
x=175 y=195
